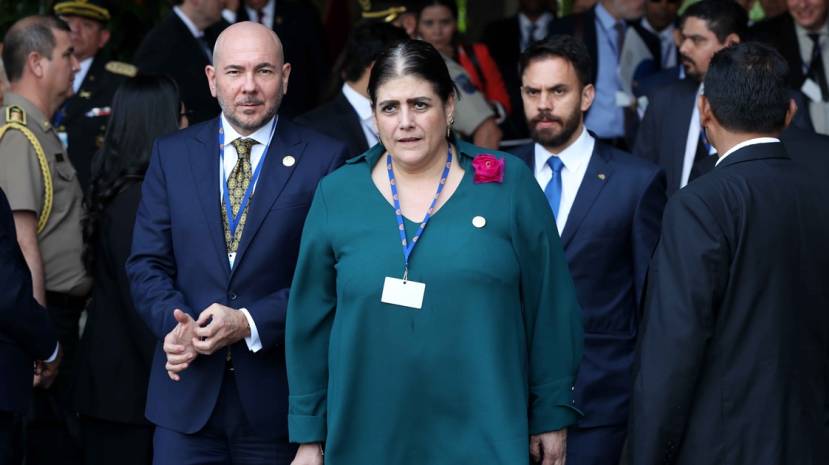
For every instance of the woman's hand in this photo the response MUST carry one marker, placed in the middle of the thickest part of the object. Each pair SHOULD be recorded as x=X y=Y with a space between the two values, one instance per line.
x=549 y=448
x=309 y=454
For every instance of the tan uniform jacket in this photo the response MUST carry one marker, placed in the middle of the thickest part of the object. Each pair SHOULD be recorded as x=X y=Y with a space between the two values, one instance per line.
x=61 y=241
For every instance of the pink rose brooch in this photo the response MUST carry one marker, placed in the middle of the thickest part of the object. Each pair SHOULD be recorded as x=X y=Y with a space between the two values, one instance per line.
x=488 y=168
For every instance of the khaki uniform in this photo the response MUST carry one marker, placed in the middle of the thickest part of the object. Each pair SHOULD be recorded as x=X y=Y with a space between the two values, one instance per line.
x=60 y=241
x=471 y=109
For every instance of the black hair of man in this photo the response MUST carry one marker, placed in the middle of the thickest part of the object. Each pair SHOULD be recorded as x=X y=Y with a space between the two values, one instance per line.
x=30 y=34
x=566 y=47
x=367 y=41
x=723 y=17
x=746 y=88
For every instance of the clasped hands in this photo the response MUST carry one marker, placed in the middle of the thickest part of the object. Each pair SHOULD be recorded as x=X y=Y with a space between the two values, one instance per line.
x=217 y=327
x=46 y=372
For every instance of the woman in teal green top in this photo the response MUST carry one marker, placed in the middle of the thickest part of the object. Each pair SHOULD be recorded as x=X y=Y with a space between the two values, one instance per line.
x=466 y=351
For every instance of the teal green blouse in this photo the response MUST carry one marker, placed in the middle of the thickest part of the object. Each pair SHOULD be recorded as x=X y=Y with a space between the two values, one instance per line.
x=489 y=359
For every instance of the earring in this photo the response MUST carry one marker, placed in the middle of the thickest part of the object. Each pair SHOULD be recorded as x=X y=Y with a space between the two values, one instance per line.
x=449 y=127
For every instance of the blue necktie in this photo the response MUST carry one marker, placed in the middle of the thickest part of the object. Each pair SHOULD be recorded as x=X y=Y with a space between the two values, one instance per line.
x=553 y=189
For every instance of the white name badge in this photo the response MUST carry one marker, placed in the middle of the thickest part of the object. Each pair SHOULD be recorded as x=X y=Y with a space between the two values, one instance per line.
x=811 y=90
x=403 y=293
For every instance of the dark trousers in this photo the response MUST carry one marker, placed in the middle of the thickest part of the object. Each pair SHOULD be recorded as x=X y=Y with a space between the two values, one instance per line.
x=226 y=439
x=11 y=435
x=601 y=445
x=52 y=420
x=109 y=442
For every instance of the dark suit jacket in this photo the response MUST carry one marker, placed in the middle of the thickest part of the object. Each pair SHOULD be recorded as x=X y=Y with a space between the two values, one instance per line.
x=170 y=48
x=298 y=25
x=732 y=364
x=663 y=131
x=808 y=149
x=338 y=119
x=779 y=32
x=116 y=349
x=648 y=84
x=179 y=260
x=503 y=39
x=608 y=240
x=85 y=132
x=26 y=333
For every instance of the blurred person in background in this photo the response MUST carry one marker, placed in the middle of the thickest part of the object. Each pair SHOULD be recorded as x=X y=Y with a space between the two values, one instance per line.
x=116 y=349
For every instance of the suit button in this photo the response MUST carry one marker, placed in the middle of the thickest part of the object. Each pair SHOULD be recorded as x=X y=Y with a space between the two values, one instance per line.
x=233 y=296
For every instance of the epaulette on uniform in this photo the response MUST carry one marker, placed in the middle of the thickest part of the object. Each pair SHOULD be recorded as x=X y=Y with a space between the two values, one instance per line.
x=121 y=68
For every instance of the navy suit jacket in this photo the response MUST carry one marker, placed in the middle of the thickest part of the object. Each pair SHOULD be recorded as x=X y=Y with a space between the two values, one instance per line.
x=608 y=240
x=179 y=260
x=26 y=333
x=338 y=119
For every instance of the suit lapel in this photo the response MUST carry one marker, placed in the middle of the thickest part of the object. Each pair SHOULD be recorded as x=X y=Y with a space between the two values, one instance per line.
x=272 y=181
x=595 y=178
x=526 y=152
x=204 y=164
x=684 y=105
x=352 y=121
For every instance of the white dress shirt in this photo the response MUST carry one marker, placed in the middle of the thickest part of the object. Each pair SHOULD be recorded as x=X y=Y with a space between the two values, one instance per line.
x=694 y=129
x=81 y=74
x=362 y=106
x=540 y=31
x=818 y=110
x=746 y=143
x=575 y=158
x=262 y=136
x=667 y=45
x=268 y=13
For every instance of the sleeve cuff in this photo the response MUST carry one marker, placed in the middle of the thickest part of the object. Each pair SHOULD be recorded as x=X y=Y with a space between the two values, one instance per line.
x=54 y=354
x=253 y=341
x=553 y=407
x=303 y=429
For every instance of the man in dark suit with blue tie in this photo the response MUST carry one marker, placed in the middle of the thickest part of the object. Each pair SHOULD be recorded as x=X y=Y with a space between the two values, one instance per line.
x=215 y=244
x=608 y=207
x=26 y=335
x=732 y=362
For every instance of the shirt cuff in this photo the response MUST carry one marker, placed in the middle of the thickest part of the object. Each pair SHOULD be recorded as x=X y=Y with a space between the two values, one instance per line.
x=54 y=354
x=253 y=341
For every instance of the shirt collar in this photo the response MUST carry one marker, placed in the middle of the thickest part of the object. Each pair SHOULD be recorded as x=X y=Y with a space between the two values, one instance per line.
x=801 y=31
x=361 y=104
x=663 y=34
x=573 y=156
x=540 y=23
x=190 y=25
x=267 y=10
x=605 y=18
x=262 y=135
x=746 y=143
x=85 y=64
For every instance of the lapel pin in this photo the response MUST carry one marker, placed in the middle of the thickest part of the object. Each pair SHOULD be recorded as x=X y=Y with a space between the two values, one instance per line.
x=602 y=176
x=479 y=222
x=288 y=161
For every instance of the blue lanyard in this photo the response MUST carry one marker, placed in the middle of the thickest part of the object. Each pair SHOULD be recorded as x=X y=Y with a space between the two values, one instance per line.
x=233 y=221
x=408 y=247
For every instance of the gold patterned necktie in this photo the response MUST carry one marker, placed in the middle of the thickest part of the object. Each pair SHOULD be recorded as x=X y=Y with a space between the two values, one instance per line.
x=237 y=184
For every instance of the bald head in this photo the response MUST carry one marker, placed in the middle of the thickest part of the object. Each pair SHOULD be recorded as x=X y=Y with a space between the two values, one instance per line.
x=249 y=75
x=248 y=35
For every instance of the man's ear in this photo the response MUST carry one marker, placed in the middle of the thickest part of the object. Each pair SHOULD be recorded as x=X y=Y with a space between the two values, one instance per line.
x=731 y=39
x=790 y=112
x=210 y=72
x=34 y=62
x=588 y=93
x=706 y=116
x=104 y=38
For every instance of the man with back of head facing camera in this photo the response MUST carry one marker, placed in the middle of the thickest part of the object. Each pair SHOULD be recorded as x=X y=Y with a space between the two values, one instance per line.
x=214 y=249
x=732 y=356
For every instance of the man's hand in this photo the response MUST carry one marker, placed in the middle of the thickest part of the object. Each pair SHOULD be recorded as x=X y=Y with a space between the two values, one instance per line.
x=219 y=326
x=178 y=345
x=45 y=373
x=309 y=454
x=549 y=448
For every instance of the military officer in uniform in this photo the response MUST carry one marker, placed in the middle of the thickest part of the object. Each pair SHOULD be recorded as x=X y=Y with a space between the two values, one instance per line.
x=82 y=120
x=45 y=197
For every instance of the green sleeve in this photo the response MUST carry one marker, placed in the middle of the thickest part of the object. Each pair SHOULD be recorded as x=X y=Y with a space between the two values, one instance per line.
x=311 y=308
x=552 y=316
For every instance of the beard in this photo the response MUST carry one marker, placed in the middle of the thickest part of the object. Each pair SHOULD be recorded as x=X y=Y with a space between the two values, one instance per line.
x=235 y=118
x=691 y=68
x=551 y=138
